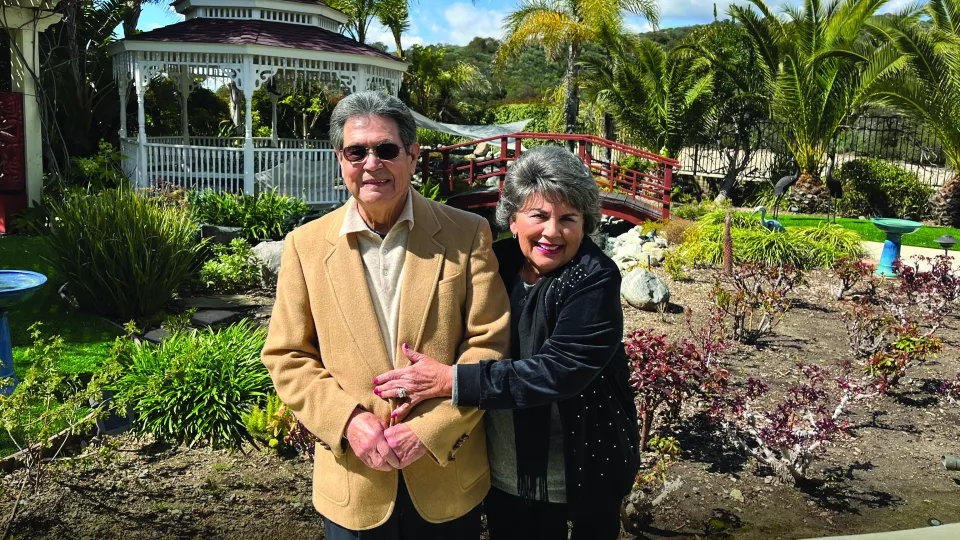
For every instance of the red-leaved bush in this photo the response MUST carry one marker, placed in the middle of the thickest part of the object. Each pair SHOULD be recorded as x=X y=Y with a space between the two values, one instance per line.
x=790 y=433
x=850 y=272
x=754 y=298
x=924 y=297
x=949 y=390
x=665 y=373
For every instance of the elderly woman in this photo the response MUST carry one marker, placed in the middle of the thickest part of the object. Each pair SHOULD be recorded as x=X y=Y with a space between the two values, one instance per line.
x=562 y=426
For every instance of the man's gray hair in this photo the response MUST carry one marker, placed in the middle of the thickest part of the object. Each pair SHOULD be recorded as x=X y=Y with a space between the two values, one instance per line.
x=372 y=103
x=555 y=174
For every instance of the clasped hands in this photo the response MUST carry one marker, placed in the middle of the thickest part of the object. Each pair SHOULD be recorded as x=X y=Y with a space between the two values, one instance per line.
x=385 y=448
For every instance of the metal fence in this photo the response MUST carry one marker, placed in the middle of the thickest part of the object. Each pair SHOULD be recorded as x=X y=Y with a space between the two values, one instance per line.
x=896 y=139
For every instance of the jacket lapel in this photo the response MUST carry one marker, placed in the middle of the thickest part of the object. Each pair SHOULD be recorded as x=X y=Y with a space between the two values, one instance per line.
x=346 y=278
x=421 y=272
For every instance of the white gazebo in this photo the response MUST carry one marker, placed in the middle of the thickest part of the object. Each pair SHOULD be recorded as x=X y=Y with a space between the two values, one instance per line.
x=245 y=44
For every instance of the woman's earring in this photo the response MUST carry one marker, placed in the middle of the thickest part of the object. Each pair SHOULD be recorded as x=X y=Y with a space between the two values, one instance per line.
x=514 y=236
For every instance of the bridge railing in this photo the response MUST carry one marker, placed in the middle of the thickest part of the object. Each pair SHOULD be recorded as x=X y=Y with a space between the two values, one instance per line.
x=646 y=179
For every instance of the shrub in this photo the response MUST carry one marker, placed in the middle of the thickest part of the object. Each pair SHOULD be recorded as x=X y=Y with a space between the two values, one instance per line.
x=266 y=215
x=802 y=247
x=277 y=426
x=850 y=272
x=873 y=187
x=949 y=390
x=925 y=297
x=789 y=436
x=231 y=270
x=99 y=171
x=433 y=139
x=123 y=255
x=673 y=230
x=754 y=298
x=666 y=373
x=196 y=385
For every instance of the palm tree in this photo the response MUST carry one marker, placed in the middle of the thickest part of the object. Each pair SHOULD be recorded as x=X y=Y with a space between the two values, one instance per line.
x=930 y=89
x=660 y=100
x=564 y=26
x=433 y=89
x=131 y=17
x=360 y=14
x=395 y=15
x=817 y=66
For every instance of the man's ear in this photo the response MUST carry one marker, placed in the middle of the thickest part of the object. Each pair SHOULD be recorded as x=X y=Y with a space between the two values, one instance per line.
x=415 y=151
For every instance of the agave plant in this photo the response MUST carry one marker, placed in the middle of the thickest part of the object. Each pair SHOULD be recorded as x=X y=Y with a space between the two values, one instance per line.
x=930 y=89
x=818 y=64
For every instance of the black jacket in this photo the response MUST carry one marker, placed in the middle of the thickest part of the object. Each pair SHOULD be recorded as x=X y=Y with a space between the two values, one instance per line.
x=574 y=329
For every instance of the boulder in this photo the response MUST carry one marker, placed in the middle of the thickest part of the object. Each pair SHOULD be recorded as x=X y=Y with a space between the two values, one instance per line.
x=481 y=149
x=643 y=290
x=268 y=255
x=218 y=234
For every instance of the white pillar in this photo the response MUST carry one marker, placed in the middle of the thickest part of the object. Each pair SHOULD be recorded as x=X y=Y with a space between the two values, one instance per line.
x=123 y=86
x=185 y=82
x=247 y=77
x=23 y=70
x=273 y=119
x=141 y=126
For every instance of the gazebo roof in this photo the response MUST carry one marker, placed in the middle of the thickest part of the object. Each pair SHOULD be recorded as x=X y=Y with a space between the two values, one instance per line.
x=259 y=32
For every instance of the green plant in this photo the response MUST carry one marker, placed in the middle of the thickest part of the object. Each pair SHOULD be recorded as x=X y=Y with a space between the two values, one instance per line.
x=46 y=402
x=874 y=187
x=231 y=270
x=831 y=243
x=270 y=424
x=433 y=139
x=101 y=170
x=196 y=385
x=122 y=253
x=673 y=265
x=266 y=215
x=430 y=189
x=754 y=298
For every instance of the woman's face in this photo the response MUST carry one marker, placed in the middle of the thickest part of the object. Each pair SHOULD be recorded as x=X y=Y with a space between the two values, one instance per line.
x=549 y=232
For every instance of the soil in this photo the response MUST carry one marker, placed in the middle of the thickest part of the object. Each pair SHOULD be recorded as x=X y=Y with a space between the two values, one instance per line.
x=886 y=475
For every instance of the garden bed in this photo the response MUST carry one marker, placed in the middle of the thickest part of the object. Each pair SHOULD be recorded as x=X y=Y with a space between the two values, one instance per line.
x=887 y=475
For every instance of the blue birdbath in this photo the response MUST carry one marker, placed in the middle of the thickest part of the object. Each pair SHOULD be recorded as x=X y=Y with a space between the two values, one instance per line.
x=895 y=229
x=16 y=286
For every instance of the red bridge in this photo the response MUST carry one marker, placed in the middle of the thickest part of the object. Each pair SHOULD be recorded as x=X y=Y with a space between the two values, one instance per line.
x=634 y=184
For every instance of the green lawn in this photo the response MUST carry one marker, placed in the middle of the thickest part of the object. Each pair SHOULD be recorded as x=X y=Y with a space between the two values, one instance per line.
x=922 y=238
x=87 y=338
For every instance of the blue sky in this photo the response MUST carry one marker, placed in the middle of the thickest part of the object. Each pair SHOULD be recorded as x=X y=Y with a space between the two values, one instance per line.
x=458 y=22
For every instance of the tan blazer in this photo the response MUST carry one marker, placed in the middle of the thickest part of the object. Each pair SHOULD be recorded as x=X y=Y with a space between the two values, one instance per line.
x=324 y=348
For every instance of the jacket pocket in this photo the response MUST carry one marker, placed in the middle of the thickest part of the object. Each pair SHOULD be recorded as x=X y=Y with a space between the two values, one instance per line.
x=330 y=476
x=471 y=461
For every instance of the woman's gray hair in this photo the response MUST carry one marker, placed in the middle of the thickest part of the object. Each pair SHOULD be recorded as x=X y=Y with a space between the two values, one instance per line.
x=372 y=103
x=555 y=174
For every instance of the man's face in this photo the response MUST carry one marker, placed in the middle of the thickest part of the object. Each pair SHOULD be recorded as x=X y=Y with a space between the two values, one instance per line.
x=378 y=185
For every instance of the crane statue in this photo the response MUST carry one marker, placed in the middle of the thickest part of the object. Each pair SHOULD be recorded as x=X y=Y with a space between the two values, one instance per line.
x=833 y=185
x=770 y=224
x=780 y=189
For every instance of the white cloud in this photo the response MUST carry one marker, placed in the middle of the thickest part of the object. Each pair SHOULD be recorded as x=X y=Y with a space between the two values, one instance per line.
x=465 y=22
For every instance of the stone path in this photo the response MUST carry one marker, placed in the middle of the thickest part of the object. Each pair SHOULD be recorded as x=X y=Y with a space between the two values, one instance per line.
x=874 y=249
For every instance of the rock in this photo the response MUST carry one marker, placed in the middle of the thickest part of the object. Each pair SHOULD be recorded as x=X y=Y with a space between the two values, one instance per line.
x=210 y=317
x=219 y=235
x=643 y=290
x=268 y=255
x=156 y=335
x=662 y=242
x=481 y=149
x=736 y=495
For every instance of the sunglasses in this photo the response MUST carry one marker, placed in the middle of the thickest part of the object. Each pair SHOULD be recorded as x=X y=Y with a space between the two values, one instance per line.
x=383 y=151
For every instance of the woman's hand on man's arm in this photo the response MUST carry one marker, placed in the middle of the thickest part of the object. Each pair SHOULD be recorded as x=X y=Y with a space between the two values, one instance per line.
x=424 y=379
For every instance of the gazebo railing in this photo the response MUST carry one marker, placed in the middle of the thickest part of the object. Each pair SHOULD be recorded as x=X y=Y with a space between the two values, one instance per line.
x=309 y=173
x=237 y=142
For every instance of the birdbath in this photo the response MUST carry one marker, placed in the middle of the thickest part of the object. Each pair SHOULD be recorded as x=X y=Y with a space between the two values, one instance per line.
x=895 y=229
x=16 y=286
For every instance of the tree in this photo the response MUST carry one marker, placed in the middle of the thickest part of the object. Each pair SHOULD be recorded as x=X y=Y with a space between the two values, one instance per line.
x=131 y=17
x=434 y=90
x=395 y=15
x=360 y=14
x=660 y=100
x=736 y=96
x=566 y=25
x=930 y=89
x=816 y=66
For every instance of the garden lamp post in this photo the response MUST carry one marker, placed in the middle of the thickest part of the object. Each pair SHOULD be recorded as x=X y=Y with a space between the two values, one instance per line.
x=946 y=242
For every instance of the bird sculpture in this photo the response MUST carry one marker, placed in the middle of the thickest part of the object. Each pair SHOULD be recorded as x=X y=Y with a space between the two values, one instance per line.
x=780 y=189
x=770 y=224
x=833 y=185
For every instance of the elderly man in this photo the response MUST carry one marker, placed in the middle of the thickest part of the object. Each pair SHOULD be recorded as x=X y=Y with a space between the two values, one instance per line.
x=389 y=268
